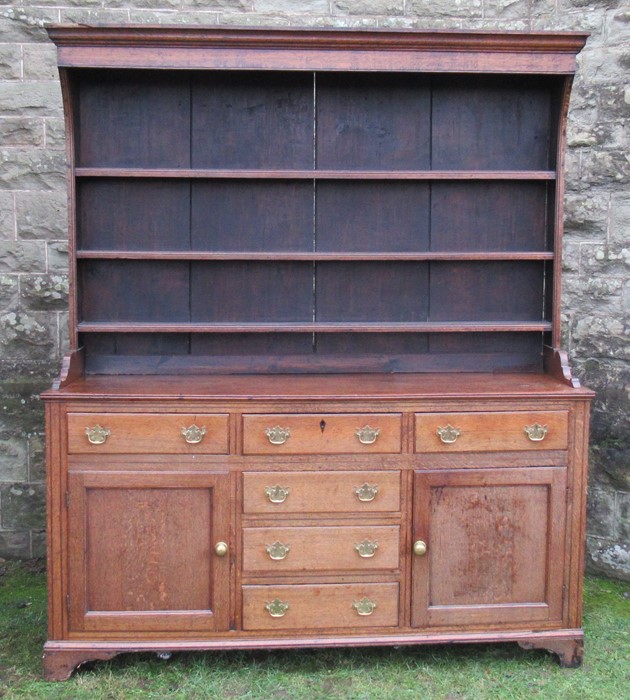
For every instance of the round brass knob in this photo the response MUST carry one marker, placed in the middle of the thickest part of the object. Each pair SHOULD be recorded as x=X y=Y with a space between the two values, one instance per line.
x=221 y=549
x=419 y=548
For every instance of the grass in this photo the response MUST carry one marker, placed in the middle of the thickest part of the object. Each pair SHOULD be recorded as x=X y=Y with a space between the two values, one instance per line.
x=450 y=673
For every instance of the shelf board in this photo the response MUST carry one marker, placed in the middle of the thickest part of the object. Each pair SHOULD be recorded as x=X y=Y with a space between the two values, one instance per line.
x=242 y=174
x=316 y=256
x=315 y=327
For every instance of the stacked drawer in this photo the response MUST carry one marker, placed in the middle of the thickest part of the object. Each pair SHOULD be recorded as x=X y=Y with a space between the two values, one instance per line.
x=315 y=524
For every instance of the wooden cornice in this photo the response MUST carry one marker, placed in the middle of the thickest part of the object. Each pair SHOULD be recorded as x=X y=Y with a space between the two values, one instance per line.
x=310 y=49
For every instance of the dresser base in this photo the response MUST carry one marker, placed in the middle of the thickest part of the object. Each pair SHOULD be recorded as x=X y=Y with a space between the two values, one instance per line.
x=61 y=658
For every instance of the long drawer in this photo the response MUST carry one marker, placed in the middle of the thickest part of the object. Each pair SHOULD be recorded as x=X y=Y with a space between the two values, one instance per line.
x=321 y=492
x=491 y=431
x=348 y=433
x=147 y=433
x=277 y=607
x=320 y=549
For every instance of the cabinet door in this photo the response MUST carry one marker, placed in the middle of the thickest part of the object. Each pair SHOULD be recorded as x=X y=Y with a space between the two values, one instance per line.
x=494 y=547
x=142 y=552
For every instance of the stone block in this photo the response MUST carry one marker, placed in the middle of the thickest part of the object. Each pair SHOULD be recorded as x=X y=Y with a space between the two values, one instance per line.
x=172 y=16
x=600 y=513
x=21 y=131
x=10 y=62
x=13 y=459
x=612 y=259
x=620 y=217
x=93 y=15
x=460 y=9
x=38 y=543
x=221 y=4
x=367 y=7
x=571 y=257
x=42 y=215
x=9 y=291
x=623 y=516
x=36 y=457
x=608 y=558
x=514 y=9
x=44 y=292
x=601 y=335
x=288 y=7
x=58 y=257
x=36 y=98
x=22 y=506
x=32 y=335
x=7 y=216
x=22 y=256
x=15 y=544
x=55 y=133
x=587 y=214
x=32 y=169
x=23 y=24
x=40 y=62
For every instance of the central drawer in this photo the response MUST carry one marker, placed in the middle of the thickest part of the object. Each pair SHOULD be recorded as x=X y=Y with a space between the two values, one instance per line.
x=316 y=433
x=321 y=549
x=320 y=606
x=321 y=492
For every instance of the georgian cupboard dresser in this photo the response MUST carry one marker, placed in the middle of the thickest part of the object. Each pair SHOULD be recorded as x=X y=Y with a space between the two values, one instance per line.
x=315 y=395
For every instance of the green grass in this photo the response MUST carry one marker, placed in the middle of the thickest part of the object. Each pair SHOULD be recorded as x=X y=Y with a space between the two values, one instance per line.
x=449 y=673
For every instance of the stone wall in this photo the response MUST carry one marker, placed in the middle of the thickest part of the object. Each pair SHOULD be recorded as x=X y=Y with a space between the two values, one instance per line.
x=33 y=248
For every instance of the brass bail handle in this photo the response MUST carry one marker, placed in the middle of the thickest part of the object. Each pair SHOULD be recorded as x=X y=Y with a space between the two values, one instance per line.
x=97 y=435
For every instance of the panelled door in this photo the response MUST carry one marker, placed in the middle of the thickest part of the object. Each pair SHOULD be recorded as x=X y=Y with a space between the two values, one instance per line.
x=146 y=551
x=488 y=546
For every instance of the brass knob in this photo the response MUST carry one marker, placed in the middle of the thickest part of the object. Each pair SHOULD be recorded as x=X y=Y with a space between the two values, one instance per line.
x=367 y=435
x=221 y=549
x=536 y=432
x=448 y=434
x=193 y=434
x=97 y=435
x=419 y=548
x=277 y=435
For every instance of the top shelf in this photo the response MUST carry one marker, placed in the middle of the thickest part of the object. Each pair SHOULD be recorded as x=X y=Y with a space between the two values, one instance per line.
x=241 y=174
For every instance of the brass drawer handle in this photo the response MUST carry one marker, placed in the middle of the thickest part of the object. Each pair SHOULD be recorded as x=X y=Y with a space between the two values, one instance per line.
x=536 y=432
x=194 y=434
x=277 y=494
x=365 y=606
x=419 y=548
x=366 y=492
x=97 y=435
x=366 y=549
x=278 y=551
x=448 y=434
x=276 y=608
x=367 y=435
x=277 y=435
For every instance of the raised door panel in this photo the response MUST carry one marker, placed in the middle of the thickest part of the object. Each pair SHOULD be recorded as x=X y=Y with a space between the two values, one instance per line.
x=494 y=547
x=141 y=555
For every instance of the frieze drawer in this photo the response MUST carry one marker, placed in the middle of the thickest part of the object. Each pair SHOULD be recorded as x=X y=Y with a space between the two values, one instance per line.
x=322 y=433
x=147 y=433
x=321 y=492
x=491 y=432
x=320 y=606
x=321 y=549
